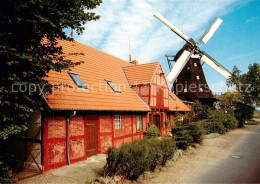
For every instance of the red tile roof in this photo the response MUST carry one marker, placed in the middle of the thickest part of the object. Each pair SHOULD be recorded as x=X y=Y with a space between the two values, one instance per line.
x=176 y=104
x=141 y=74
x=97 y=67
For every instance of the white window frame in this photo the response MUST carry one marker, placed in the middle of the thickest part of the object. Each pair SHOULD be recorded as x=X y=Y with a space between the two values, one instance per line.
x=117 y=121
x=139 y=123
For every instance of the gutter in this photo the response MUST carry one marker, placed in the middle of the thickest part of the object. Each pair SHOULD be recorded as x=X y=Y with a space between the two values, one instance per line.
x=67 y=136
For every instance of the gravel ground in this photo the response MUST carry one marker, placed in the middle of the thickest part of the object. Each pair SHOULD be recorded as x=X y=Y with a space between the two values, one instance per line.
x=210 y=151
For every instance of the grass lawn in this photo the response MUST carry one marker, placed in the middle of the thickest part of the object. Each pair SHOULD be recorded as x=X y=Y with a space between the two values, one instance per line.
x=256 y=114
x=252 y=122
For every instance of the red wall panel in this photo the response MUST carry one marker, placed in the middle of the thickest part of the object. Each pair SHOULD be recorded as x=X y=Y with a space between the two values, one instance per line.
x=57 y=127
x=54 y=139
x=105 y=123
x=125 y=126
x=105 y=143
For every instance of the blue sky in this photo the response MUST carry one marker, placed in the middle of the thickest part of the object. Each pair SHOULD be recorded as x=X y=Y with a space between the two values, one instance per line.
x=236 y=42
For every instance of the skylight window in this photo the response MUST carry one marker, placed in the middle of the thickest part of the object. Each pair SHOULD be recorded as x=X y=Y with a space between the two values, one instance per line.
x=78 y=80
x=113 y=86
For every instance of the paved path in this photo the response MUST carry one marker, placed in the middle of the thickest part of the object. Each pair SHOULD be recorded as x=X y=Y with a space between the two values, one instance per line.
x=79 y=172
x=241 y=166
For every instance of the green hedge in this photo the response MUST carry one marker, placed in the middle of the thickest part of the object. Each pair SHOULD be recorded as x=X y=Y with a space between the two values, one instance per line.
x=152 y=131
x=186 y=134
x=212 y=126
x=132 y=159
x=219 y=121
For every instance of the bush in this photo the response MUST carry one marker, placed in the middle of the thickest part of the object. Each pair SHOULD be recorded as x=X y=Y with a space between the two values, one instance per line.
x=5 y=172
x=212 y=127
x=196 y=131
x=152 y=131
x=168 y=147
x=219 y=121
x=155 y=153
x=182 y=136
x=243 y=112
x=132 y=159
x=229 y=121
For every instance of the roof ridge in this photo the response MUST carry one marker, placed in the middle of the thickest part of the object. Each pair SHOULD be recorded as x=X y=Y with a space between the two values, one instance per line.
x=97 y=50
x=157 y=62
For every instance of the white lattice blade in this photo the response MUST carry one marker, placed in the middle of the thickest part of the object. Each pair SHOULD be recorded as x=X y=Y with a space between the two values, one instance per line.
x=213 y=65
x=171 y=26
x=179 y=65
x=211 y=30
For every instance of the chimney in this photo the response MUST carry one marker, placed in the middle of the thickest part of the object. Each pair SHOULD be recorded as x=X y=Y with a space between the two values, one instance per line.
x=135 y=62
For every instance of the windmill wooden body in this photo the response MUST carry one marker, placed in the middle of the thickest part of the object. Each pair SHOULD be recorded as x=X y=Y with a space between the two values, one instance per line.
x=187 y=75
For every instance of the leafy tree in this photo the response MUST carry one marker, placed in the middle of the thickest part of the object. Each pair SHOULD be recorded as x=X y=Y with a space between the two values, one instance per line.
x=247 y=84
x=248 y=87
x=200 y=110
x=230 y=99
x=29 y=34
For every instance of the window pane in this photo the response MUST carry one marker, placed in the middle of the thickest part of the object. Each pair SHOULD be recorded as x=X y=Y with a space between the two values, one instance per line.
x=78 y=80
x=113 y=86
x=117 y=121
x=139 y=123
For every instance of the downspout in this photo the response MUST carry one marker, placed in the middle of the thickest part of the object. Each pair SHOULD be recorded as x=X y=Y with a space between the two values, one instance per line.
x=67 y=137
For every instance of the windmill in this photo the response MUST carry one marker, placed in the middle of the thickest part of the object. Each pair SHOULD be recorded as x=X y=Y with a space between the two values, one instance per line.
x=186 y=74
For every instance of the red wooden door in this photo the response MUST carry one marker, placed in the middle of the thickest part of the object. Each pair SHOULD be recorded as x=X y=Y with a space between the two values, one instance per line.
x=92 y=135
x=156 y=121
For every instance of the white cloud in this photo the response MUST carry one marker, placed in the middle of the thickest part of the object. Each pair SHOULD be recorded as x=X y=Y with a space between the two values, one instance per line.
x=251 y=19
x=150 y=39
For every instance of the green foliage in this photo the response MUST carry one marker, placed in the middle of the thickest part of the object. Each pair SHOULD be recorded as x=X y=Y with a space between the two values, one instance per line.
x=29 y=34
x=243 y=112
x=212 y=126
x=196 y=132
x=5 y=173
x=219 y=121
x=248 y=85
x=168 y=123
x=152 y=131
x=256 y=114
x=200 y=110
x=132 y=159
x=168 y=147
x=230 y=99
x=186 y=134
x=155 y=153
x=182 y=137
x=28 y=47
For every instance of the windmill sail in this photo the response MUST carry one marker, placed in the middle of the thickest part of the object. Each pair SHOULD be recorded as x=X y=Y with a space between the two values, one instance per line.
x=215 y=65
x=211 y=30
x=179 y=65
x=171 y=26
